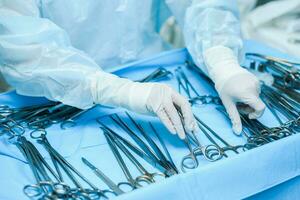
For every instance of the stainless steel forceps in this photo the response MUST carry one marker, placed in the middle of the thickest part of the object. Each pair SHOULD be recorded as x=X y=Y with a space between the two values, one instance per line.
x=131 y=182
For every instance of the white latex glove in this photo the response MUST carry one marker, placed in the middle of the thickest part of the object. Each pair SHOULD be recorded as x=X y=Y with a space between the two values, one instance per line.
x=145 y=98
x=234 y=84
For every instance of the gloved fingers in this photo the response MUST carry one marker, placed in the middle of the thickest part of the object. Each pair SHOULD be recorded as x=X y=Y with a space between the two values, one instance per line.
x=244 y=109
x=173 y=114
x=257 y=86
x=234 y=115
x=187 y=113
x=164 y=118
x=258 y=105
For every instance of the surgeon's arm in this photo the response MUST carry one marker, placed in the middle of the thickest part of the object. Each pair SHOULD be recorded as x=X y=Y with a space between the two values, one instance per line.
x=37 y=59
x=211 y=31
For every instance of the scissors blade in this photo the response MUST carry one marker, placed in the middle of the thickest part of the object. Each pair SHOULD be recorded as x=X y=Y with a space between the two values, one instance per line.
x=103 y=177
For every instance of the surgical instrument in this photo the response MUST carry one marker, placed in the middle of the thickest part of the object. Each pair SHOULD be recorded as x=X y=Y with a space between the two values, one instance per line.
x=45 y=186
x=167 y=170
x=40 y=136
x=38 y=116
x=252 y=142
x=146 y=177
x=152 y=144
x=131 y=182
x=164 y=147
x=202 y=124
x=293 y=94
x=190 y=161
x=272 y=58
x=286 y=103
x=70 y=121
x=227 y=147
x=151 y=160
x=286 y=106
x=134 y=136
x=284 y=72
x=103 y=177
x=187 y=86
x=158 y=74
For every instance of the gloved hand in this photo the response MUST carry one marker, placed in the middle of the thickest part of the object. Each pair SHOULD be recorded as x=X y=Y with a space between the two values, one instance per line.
x=145 y=98
x=234 y=84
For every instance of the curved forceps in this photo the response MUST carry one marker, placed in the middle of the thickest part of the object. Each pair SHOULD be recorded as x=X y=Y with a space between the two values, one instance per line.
x=131 y=182
x=200 y=150
x=152 y=144
x=296 y=125
x=13 y=128
x=146 y=176
x=44 y=185
x=218 y=152
x=252 y=141
x=150 y=160
x=210 y=153
x=191 y=157
x=35 y=190
x=40 y=135
x=259 y=130
x=227 y=147
x=5 y=109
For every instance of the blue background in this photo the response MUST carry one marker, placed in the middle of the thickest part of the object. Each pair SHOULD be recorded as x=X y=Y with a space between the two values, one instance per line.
x=270 y=171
